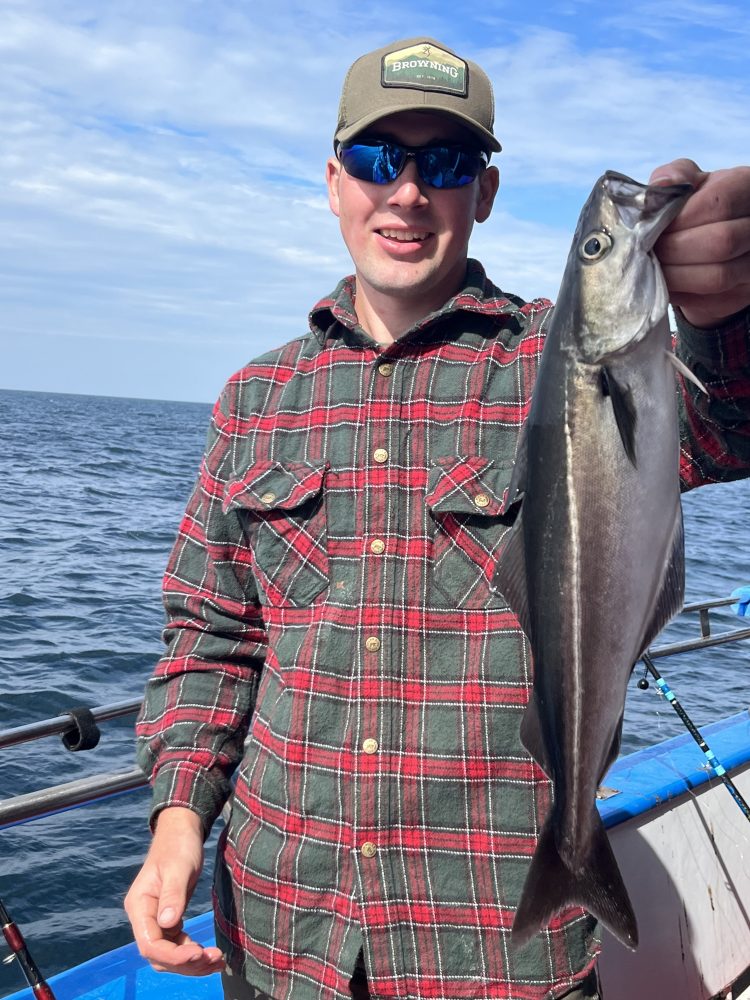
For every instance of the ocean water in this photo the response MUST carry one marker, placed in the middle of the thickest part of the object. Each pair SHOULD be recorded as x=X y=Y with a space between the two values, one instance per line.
x=92 y=492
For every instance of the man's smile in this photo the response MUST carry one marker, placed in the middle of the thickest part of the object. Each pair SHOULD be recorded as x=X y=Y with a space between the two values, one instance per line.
x=404 y=235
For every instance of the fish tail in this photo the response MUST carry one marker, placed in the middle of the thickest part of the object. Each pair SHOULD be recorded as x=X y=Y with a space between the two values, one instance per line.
x=596 y=885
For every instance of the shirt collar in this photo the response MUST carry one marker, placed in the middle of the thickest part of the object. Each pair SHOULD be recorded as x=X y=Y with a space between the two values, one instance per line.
x=335 y=315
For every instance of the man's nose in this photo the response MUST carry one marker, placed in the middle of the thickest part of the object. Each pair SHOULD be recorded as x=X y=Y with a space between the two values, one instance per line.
x=408 y=188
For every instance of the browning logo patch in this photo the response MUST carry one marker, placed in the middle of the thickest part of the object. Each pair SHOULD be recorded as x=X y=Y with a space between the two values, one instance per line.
x=426 y=67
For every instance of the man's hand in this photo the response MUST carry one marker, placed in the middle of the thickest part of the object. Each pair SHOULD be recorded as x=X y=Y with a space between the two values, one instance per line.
x=705 y=253
x=161 y=890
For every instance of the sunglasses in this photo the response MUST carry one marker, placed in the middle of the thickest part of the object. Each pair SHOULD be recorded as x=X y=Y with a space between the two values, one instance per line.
x=439 y=166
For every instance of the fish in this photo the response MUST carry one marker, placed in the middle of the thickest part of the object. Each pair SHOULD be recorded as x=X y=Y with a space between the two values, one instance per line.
x=593 y=566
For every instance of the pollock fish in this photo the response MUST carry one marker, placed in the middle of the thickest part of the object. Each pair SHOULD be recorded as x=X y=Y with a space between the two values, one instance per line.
x=594 y=564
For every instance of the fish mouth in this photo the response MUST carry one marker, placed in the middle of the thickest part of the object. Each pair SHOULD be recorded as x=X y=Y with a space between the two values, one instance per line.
x=646 y=209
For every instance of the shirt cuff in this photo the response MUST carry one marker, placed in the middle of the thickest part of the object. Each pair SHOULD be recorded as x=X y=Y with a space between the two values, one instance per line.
x=191 y=788
x=724 y=348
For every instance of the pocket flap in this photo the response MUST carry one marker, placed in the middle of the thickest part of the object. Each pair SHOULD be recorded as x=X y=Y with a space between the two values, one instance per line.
x=472 y=485
x=275 y=486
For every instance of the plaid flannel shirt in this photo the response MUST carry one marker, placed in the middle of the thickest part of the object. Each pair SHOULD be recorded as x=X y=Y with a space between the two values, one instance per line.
x=329 y=597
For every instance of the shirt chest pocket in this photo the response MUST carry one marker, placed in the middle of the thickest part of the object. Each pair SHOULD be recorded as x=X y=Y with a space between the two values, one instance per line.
x=282 y=508
x=467 y=501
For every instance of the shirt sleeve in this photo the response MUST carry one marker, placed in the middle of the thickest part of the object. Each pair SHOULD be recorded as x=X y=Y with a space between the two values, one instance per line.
x=715 y=445
x=200 y=699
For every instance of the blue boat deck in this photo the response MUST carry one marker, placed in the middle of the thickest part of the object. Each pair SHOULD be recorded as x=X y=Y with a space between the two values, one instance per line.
x=645 y=780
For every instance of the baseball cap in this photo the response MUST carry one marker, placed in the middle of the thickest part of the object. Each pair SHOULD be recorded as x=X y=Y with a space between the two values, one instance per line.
x=416 y=74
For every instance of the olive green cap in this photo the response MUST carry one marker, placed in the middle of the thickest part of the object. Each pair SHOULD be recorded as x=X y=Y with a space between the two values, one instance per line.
x=411 y=75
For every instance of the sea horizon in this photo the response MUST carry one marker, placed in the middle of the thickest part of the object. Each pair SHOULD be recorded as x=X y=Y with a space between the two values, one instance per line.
x=103 y=395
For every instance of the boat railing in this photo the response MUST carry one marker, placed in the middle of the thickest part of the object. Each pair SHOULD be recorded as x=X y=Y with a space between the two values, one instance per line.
x=83 y=791
x=707 y=637
x=70 y=794
x=65 y=724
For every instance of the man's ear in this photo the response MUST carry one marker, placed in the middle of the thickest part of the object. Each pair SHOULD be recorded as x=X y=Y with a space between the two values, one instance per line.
x=489 y=182
x=333 y=175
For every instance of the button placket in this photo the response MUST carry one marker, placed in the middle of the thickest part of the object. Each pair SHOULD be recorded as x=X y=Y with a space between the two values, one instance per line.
x=380 y=446
x=377 y=501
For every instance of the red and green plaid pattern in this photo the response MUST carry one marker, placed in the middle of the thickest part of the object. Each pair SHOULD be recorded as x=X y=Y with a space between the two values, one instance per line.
x=332 y=581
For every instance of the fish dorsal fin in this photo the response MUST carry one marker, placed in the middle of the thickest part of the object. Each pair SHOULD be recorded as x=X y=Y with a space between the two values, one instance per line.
x=517 y=486
x=510 y=576
x=614 y=750
x=672 y=592
x=624 y=410
x=532 y=736
x=683 y=369
x=510 y=573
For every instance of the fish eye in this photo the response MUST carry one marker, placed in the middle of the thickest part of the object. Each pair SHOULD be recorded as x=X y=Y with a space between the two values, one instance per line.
x=595 y=246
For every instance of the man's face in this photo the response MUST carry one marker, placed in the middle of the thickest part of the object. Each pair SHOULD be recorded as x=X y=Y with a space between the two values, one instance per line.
x=409 y=241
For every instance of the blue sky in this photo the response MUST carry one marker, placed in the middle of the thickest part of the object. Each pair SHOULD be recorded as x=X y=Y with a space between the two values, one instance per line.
x=162 y=208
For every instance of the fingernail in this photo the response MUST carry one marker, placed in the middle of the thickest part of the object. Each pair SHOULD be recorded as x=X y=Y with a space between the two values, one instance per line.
x=167 y=915
x=663 y=177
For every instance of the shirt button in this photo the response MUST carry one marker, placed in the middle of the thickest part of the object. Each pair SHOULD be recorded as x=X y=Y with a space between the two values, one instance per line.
x=369 y=850
x=380 y=455
x=385 y=370
x=482 y=500
x=377 y=545
x=370 y=746
x=372 y=643
x=268 y=498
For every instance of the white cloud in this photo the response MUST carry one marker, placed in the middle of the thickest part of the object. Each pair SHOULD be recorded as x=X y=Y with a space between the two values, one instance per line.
x=161 y=174
x=705 y=28
x=566 y=114
x=524 y=258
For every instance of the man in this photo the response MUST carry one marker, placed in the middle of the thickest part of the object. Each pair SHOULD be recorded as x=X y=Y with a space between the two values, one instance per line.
x=331 y=584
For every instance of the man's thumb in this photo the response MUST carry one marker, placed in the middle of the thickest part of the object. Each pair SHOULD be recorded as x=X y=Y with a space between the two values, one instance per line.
x=681 y=171
x=172 y=903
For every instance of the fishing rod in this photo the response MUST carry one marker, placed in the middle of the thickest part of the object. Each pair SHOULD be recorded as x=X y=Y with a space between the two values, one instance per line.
x=716 y=766
x=19 y=949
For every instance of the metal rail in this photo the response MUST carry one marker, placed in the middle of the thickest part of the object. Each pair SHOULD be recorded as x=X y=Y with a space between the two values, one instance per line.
x=716 y=602
x=60 y=798
x=734 y=635
x=62 y=724
x=71 y=794
x=707 y=637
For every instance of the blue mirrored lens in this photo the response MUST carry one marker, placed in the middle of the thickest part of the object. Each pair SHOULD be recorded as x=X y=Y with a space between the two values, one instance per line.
x=448 y=166
x=379 y=164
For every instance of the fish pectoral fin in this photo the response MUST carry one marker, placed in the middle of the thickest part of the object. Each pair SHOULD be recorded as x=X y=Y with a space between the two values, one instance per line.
x=510 y=576
x=624 y=410
x=672 y=590
x=596 y=885
x=683 y=369
x=532 y=736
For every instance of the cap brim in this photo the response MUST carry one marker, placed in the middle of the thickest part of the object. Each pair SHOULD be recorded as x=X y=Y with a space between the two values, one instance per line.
x=486 y=138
